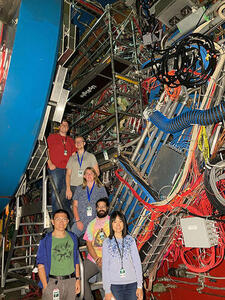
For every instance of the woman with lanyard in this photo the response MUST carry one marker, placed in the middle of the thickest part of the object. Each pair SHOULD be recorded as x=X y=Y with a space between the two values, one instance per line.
x=121 y=264
x=84 y=200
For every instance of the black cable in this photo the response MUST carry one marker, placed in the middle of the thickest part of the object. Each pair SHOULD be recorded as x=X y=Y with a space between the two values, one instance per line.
x=192 y=60
x=211 y=218
x=196 y=26
x=217 y=205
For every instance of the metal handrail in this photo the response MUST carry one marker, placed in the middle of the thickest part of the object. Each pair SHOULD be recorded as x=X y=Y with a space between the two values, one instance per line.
x=55 y=190
x=81 y=296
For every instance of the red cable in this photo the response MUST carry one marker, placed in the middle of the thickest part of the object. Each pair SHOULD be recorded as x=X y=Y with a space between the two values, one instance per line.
x=206 y=260
x=2 y=64
x=1 y=34
x=92 y=7
x=137 y=25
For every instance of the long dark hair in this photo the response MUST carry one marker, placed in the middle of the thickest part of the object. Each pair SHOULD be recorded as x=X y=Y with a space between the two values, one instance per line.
x=113 y=216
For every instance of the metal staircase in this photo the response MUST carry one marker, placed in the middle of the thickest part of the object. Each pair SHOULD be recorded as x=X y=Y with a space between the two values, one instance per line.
x=30 y=212
x=31 y=219
x=38 y=160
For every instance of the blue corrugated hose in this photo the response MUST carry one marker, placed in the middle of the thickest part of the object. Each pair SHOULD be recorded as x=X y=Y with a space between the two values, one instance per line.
x=202 y=117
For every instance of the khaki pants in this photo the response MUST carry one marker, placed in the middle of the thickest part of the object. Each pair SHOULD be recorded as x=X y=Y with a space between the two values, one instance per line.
x=66 y=289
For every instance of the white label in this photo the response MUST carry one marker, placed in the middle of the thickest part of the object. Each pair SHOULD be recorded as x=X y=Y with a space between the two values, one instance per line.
x=80 y=173
x=192 y=227
x=105 y=153
x=89 y=211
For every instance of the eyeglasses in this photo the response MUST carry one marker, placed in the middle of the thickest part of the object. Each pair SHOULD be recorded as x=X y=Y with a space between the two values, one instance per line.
x=61 y=219
x=80 y=142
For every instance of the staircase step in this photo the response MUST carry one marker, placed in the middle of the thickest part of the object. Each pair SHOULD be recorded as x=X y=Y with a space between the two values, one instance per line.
x=30 y=234
x=8 y=280
x=31 y=224
x=26 y=246
x=21 y=268
x=31 y=209
x=23 y=257
x=16 y=288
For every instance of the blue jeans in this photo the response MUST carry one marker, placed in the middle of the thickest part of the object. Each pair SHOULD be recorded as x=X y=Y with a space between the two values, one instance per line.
x=75 y=230
x=124 y=291
x=59 y=177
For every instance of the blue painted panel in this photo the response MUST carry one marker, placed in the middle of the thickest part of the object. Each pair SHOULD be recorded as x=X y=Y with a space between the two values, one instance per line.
x=27 y=88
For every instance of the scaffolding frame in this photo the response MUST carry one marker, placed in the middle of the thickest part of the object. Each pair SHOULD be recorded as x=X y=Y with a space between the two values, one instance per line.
x=110 y=38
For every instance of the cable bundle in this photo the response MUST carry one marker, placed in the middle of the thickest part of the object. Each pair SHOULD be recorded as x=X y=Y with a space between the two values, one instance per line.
x=195 y=259
x=201 y=260
x=193 y=60
x=214 y=181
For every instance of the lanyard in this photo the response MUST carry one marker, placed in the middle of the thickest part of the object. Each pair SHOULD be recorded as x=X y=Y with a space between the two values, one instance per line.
x=78 y=158
x=64 y=142
x=89 y=193
x=121 y=253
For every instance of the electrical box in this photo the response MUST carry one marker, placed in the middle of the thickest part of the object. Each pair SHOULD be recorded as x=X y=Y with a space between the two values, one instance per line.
x=199 y=232
x=170 y=12
x=165 y=170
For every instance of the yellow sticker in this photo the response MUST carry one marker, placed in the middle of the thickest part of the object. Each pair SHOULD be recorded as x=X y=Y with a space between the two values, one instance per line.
x=203 y=143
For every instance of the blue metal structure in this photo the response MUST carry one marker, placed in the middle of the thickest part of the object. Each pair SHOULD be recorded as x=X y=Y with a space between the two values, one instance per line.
x=27 y=88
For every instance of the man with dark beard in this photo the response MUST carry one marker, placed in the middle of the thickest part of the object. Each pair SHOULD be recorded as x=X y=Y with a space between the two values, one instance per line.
x=97 y=231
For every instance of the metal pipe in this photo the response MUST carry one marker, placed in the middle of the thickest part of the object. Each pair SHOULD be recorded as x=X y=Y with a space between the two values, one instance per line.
x=215 y=138
x=137 y=66
x=3 y=262
x=89 y=47
x=156 y=144
x=55 y=191
x=113 y=73
x=97 y=125
x=147 y=161
x=119 y=12
x=81 y=296
x=129 y=114
x=212 y=81
x=87 y=35
x=92 y=58
x=145 y=150
x=180 y=110
x=10 y=253
x=111 y=126
x=153 y=134
x=136 y=151
x=44 y=197
x=90 y=112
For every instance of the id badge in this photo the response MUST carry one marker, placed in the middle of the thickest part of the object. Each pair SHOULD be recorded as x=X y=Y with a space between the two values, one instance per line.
x=102 y=236
x=89 y=211
x=56 y=294
x=122 y=273
x=65 y=152
x=80 y=173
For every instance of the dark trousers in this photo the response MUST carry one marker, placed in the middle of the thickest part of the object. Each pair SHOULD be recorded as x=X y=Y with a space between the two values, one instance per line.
x=59 y=177
x=90 y=269
x=67 y=204
x=124 y=291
